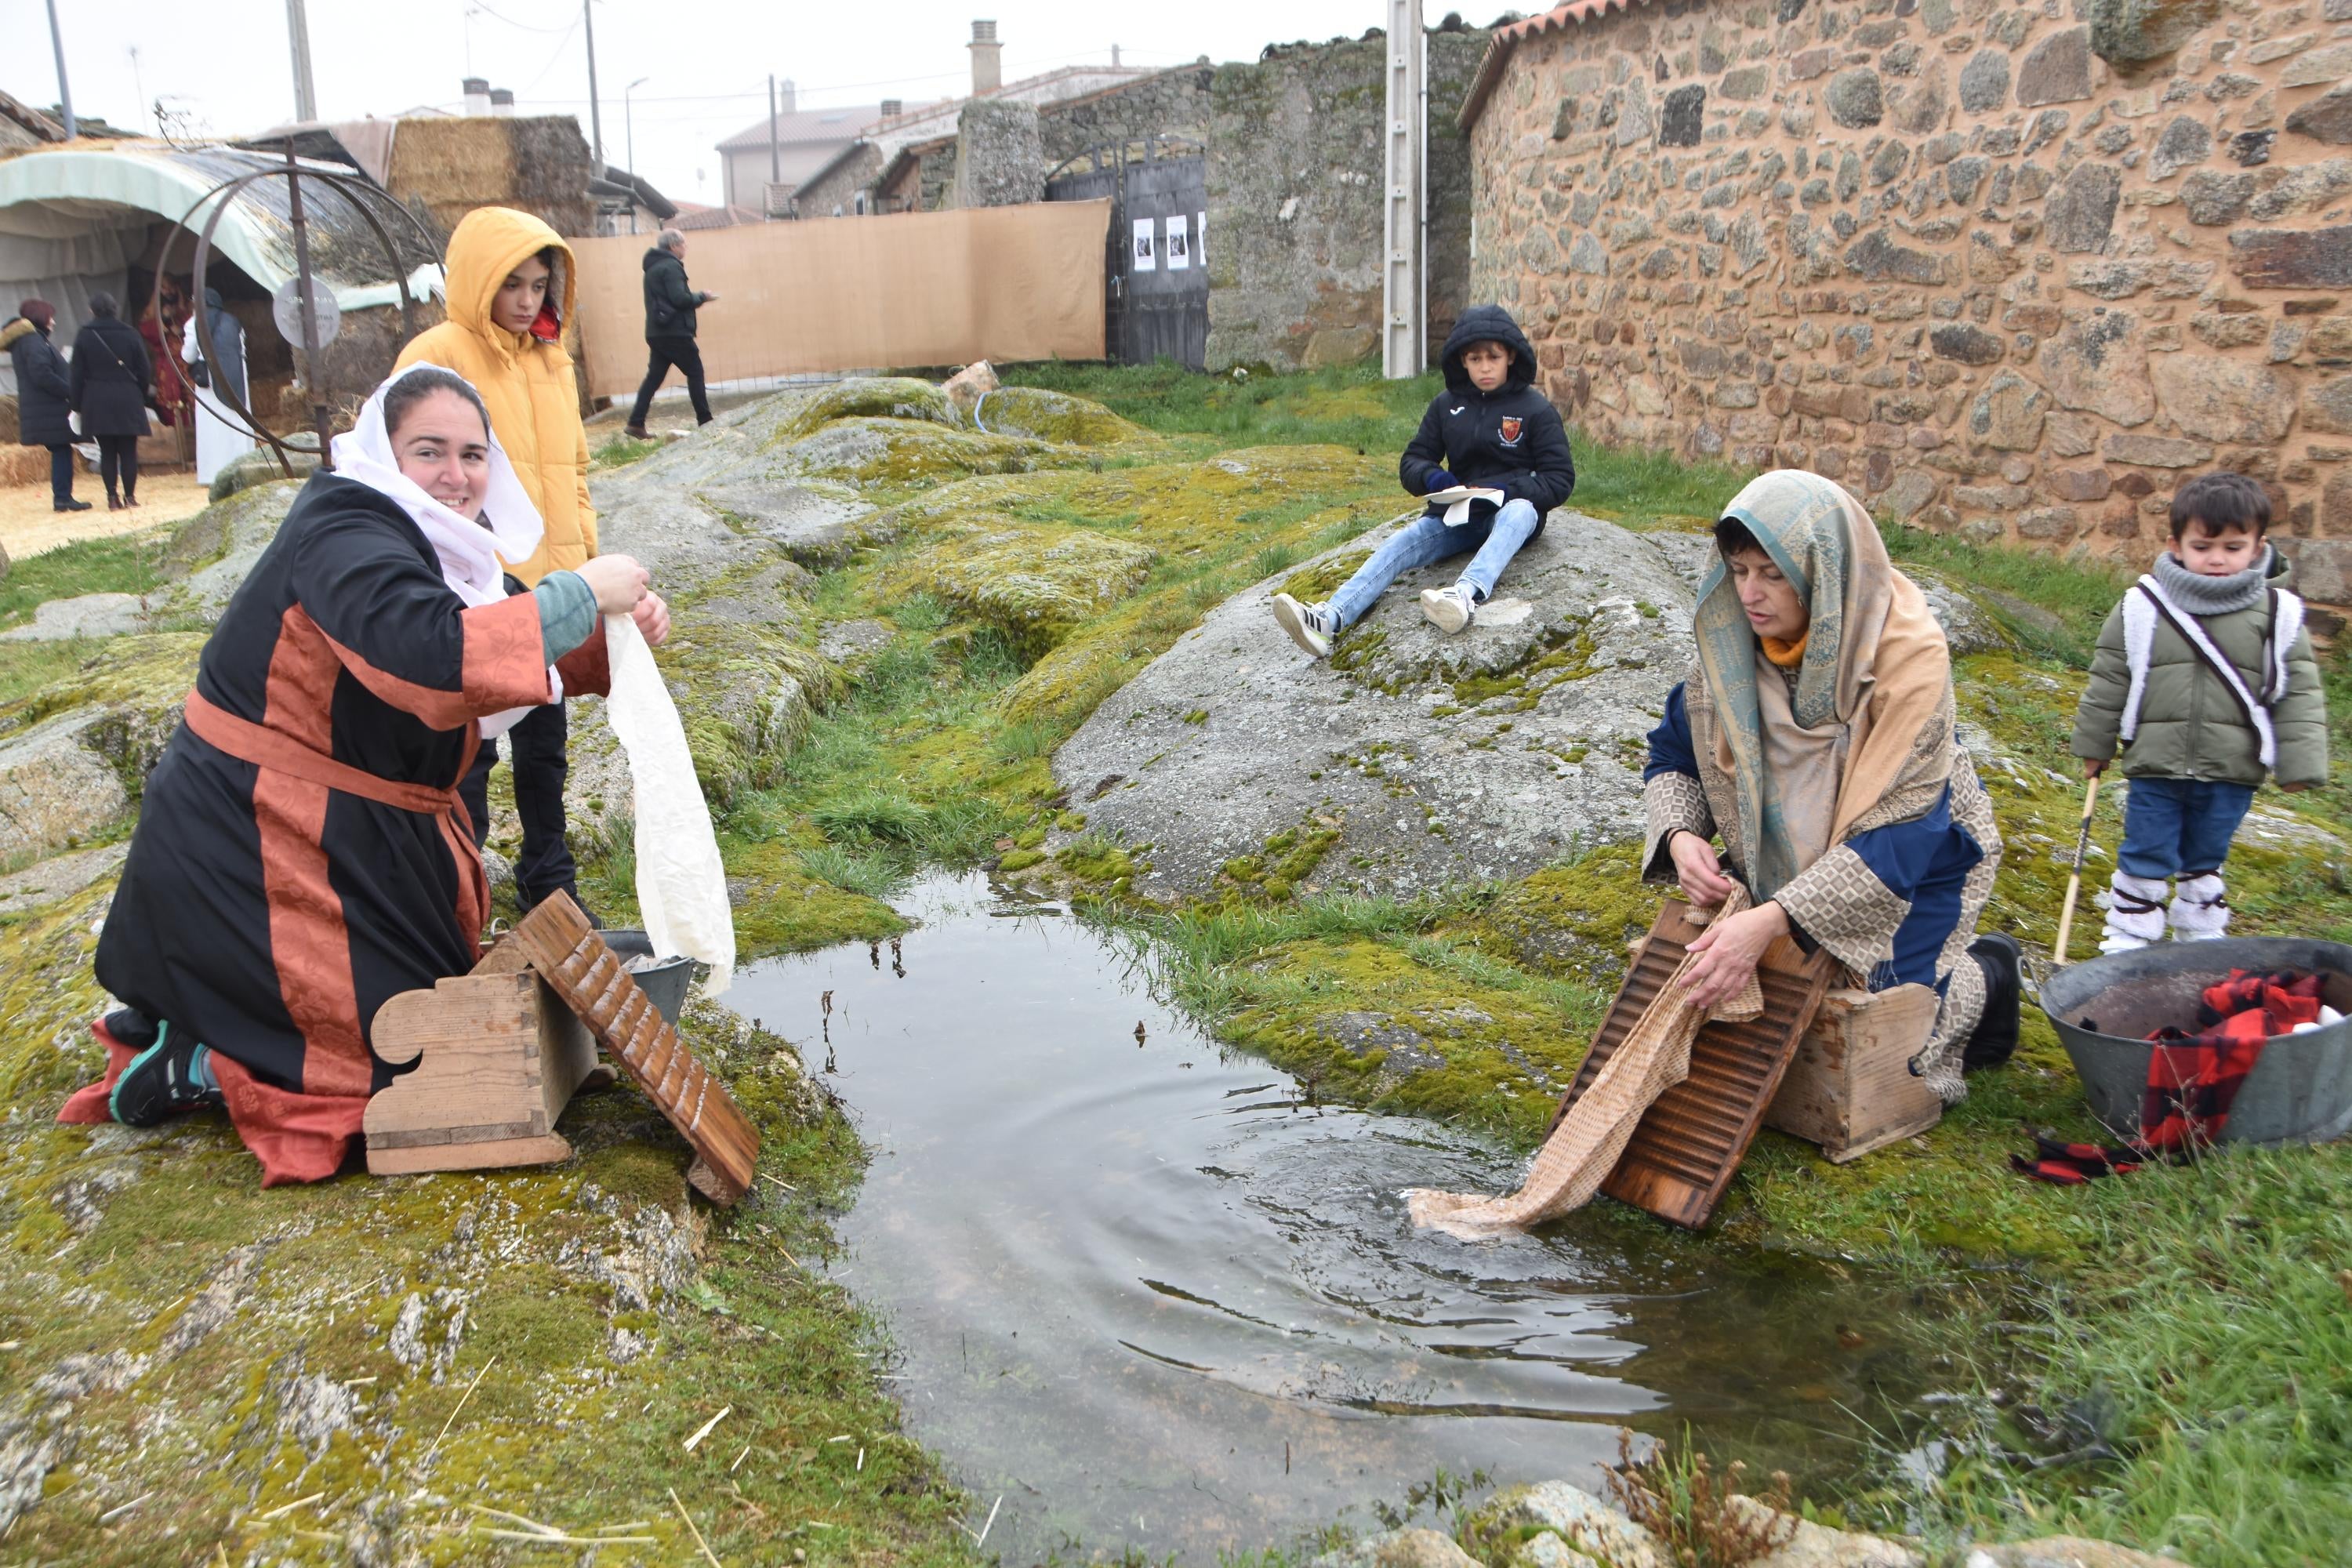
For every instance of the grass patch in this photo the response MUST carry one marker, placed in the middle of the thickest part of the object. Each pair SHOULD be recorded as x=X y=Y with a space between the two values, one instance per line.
x=126 y=563
x=620 y=451
x=2073 y=596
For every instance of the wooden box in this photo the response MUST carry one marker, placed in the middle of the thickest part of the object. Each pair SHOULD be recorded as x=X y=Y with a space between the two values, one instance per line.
x=1850 y=1088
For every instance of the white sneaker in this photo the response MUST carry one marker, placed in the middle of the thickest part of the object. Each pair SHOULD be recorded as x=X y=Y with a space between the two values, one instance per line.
x=1311 y=626
x=1449 y=609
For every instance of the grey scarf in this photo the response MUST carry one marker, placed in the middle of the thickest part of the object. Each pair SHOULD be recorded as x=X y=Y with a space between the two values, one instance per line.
x=2202 y=595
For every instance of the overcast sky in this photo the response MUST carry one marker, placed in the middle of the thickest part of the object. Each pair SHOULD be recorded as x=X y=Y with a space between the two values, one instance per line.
x=224 y=63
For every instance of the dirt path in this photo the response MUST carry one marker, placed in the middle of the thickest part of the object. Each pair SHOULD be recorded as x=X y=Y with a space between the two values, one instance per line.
x=29 y=525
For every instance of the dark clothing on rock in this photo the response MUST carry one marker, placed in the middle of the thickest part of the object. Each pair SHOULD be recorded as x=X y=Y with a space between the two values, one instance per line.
x=670 y=305
x=665 y=353
x=118 y=466
x=301 y=855
x=1511 y=439
x=112 y=378
x=44 y=392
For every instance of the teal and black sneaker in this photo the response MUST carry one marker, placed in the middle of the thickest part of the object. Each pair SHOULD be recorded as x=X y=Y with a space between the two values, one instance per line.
x=169 y=1077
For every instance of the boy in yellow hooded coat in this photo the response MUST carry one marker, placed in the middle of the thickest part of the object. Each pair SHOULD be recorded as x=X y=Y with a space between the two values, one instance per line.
x=511 y=286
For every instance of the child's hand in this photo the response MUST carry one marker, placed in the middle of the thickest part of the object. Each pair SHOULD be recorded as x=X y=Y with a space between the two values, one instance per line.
x=1439 y=479
x=2093 y=768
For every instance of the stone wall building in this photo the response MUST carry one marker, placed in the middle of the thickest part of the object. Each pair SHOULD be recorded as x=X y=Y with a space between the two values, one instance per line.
x=2013 y=268
x=1295 y=229
x=1169 y=104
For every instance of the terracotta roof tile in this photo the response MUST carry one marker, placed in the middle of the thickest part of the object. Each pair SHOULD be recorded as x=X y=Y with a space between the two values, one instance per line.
x=1560 y=18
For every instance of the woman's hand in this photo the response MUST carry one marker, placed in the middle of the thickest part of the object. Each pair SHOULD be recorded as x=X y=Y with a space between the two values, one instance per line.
x=1727 y=953
x=619 y=584
x=652 y=617
x=1697 y=869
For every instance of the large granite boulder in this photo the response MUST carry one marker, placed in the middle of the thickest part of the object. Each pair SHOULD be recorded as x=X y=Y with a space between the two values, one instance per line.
x=1420 y=761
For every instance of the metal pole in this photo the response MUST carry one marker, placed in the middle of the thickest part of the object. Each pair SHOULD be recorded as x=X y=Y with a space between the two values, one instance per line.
x=1408 y=125
x=629 y=128
x=298 y=39
x=595 y=113
x=65 y=91
x=302 y=286
x=775 y=141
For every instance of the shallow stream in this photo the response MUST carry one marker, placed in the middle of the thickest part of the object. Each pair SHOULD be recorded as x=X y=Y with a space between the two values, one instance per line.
x=1147 y=1295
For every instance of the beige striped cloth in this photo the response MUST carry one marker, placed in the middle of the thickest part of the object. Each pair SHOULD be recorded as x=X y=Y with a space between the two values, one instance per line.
x=1584 y=1148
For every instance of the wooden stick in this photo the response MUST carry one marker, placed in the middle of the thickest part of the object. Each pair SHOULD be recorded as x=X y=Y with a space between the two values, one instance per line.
x=704 y=1430
x=707 y=1554
x=453 y=1414
x=2075 y=879
x=289 y=1506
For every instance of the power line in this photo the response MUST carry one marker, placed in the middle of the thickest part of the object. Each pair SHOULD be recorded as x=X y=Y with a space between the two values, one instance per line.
x=519 y=26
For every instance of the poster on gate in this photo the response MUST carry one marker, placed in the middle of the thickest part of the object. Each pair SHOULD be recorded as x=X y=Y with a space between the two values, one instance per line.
x=1201 y=238
x=1180 y=249
x=1147 y=257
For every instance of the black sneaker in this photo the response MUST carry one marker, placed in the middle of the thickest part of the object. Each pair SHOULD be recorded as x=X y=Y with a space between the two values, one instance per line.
x=71 y=506
x=161 y=1081
x=1995 y=1039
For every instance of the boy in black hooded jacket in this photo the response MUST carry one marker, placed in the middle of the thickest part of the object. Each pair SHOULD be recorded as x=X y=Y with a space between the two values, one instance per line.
x=1490 y=429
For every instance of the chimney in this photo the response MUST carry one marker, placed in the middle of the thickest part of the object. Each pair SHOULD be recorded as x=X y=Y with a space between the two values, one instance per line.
x=987 y=64
x=785 y=96
x=892 y=107
x=502 y=103
x=478 y=95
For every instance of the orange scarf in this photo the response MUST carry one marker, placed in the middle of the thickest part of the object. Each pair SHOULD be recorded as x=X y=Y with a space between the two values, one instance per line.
x=1786 y=655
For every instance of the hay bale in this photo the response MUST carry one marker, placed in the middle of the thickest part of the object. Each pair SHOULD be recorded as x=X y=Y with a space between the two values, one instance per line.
x=539 y=165
x=24 y=466
x=9 y=428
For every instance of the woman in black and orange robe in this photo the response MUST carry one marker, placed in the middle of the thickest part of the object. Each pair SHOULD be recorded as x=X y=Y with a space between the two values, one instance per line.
x=302 y=854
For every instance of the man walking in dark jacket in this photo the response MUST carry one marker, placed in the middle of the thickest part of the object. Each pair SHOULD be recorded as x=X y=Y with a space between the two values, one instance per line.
x=1491 y=430
x=670 y=306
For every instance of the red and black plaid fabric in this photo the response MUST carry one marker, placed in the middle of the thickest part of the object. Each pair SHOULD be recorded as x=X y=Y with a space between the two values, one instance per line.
x=2192 y=1079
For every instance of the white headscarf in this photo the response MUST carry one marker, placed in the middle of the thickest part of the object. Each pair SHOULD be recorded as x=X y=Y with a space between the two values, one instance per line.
x=470 y=551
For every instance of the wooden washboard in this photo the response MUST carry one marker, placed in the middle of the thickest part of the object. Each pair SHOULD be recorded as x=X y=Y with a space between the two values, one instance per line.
x=1690 y=1142
x=574 y=961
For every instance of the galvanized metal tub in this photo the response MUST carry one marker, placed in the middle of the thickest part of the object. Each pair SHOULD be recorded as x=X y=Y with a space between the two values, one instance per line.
x=666 y=982
x=2301 y=1089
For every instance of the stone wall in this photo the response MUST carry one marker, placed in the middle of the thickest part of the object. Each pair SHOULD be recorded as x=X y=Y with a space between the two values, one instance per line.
x=999 y=160
x=838 y=186
x=2013 y=268
x=1296 y=159
x=1168 y=104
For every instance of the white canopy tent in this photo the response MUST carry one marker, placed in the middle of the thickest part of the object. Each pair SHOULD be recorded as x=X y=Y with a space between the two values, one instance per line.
x=74 y=220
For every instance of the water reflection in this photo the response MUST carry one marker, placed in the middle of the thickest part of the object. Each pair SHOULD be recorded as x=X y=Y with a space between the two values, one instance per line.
x=1152 y=1296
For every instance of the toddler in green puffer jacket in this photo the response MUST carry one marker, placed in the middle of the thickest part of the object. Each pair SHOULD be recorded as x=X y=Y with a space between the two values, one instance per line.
x=2204 y=675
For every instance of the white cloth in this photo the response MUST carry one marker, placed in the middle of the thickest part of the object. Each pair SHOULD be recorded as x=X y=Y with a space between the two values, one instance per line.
x=470 y=548
x=681 y=882
x=1457 y=502
x=219 y=441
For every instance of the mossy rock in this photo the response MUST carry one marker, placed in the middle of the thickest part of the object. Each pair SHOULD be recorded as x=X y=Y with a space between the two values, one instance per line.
x=1033 y=584
x=1057 y=417
x=907 y=454
x=794 y=415
x=209 y=555
x=1575 y=919
x=74 y=756
x=258 y=466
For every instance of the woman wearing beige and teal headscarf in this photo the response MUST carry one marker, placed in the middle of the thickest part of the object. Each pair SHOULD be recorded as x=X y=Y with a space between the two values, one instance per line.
x=1814 y=734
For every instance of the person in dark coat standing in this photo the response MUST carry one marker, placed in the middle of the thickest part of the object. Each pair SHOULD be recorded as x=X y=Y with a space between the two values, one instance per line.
x=44 y=395
x=670 y=306
x=113 y=382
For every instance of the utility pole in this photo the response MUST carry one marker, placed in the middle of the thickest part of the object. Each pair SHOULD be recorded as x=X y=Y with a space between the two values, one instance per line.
x=775 y=138
x=65 y=92
x=595 y=114
x=298 y=39
x=1403 y=320
x=629 y=130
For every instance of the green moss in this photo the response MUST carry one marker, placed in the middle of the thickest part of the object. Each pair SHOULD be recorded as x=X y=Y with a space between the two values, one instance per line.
x=1283 y=862
x=1032 y=583
x=1020 y=859
x=1314 y=584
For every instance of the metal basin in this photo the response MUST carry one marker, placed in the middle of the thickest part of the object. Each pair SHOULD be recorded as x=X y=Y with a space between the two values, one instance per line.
x=665 y=982
x=2301 y=1089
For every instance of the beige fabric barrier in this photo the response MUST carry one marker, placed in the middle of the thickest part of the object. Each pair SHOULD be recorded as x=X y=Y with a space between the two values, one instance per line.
x=912 y=289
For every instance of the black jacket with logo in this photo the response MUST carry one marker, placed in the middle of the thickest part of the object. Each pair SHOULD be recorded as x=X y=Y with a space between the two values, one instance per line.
x=1511 y=439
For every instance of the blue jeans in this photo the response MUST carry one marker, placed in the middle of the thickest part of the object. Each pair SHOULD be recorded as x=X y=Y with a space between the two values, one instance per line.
x=1426 y=541
x=2181 y=828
